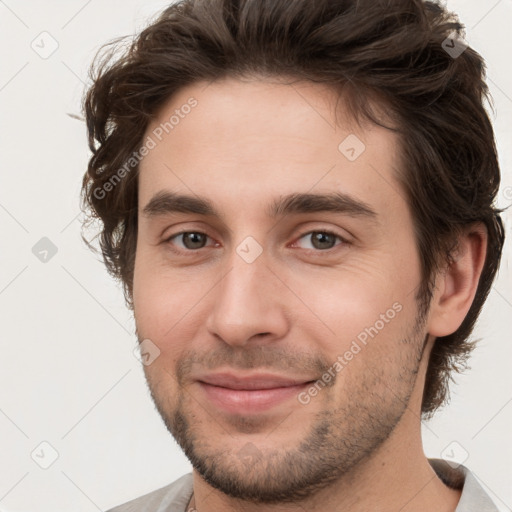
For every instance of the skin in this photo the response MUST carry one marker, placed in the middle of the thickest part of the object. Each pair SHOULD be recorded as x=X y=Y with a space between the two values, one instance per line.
x=293 y=310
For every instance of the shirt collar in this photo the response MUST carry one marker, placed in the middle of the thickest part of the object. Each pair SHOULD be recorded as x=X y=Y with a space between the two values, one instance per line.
x=457 y=476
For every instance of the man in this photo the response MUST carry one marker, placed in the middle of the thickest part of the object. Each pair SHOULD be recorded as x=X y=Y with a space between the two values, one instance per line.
x=298 y=199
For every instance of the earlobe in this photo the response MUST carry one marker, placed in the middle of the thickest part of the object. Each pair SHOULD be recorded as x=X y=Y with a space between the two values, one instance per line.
x=457 y=283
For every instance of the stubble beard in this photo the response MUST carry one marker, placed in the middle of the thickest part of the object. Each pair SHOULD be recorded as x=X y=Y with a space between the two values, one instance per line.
x=341 y=437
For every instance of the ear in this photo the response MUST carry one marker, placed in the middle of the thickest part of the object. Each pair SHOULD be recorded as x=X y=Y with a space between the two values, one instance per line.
x=456 y=284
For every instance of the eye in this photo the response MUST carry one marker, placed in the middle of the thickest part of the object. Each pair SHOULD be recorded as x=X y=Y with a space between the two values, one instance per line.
x=321 y=240
x=190 y=240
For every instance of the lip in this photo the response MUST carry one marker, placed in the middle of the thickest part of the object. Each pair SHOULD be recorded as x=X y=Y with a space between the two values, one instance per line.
x=251 y=381
x=249 y=394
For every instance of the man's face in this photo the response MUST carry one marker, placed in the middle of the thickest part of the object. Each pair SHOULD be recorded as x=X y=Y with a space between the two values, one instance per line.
x=289 y=339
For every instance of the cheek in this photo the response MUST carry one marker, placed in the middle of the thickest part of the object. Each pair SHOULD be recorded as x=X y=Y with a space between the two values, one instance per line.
x=363 y=302
x=365 y=327
x=164 y=304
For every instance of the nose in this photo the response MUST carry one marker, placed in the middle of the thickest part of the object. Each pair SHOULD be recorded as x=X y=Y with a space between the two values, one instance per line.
x=247 y=306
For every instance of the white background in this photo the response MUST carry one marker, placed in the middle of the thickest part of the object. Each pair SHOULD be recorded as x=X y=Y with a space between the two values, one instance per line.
x=68 y=374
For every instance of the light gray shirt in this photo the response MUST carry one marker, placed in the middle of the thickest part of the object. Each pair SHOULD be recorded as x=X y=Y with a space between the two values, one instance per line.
x=175 y=497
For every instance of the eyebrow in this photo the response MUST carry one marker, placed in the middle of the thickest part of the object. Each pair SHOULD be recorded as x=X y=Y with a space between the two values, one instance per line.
x=166 y=202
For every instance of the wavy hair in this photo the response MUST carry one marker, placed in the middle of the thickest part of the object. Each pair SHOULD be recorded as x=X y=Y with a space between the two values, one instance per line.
x=403 y=54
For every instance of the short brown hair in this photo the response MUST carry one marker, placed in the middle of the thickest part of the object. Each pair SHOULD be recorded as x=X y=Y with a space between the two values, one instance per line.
x=393 y=50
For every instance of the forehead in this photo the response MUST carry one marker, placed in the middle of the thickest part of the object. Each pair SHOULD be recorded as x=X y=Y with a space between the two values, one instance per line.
x=265 y=138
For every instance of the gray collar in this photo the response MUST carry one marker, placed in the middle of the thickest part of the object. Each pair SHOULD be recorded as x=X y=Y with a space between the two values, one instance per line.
x=473 y=497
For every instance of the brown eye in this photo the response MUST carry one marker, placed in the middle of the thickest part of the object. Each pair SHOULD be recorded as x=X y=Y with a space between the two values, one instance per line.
x=191 y=240
x=194 y=240
x=321 y=240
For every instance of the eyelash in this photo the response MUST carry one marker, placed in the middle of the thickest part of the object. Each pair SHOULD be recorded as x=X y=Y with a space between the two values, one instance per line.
x=323 y=231
x=341 y=239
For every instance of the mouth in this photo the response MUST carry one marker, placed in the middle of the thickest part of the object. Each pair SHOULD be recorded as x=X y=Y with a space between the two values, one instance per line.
x=250 y=394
